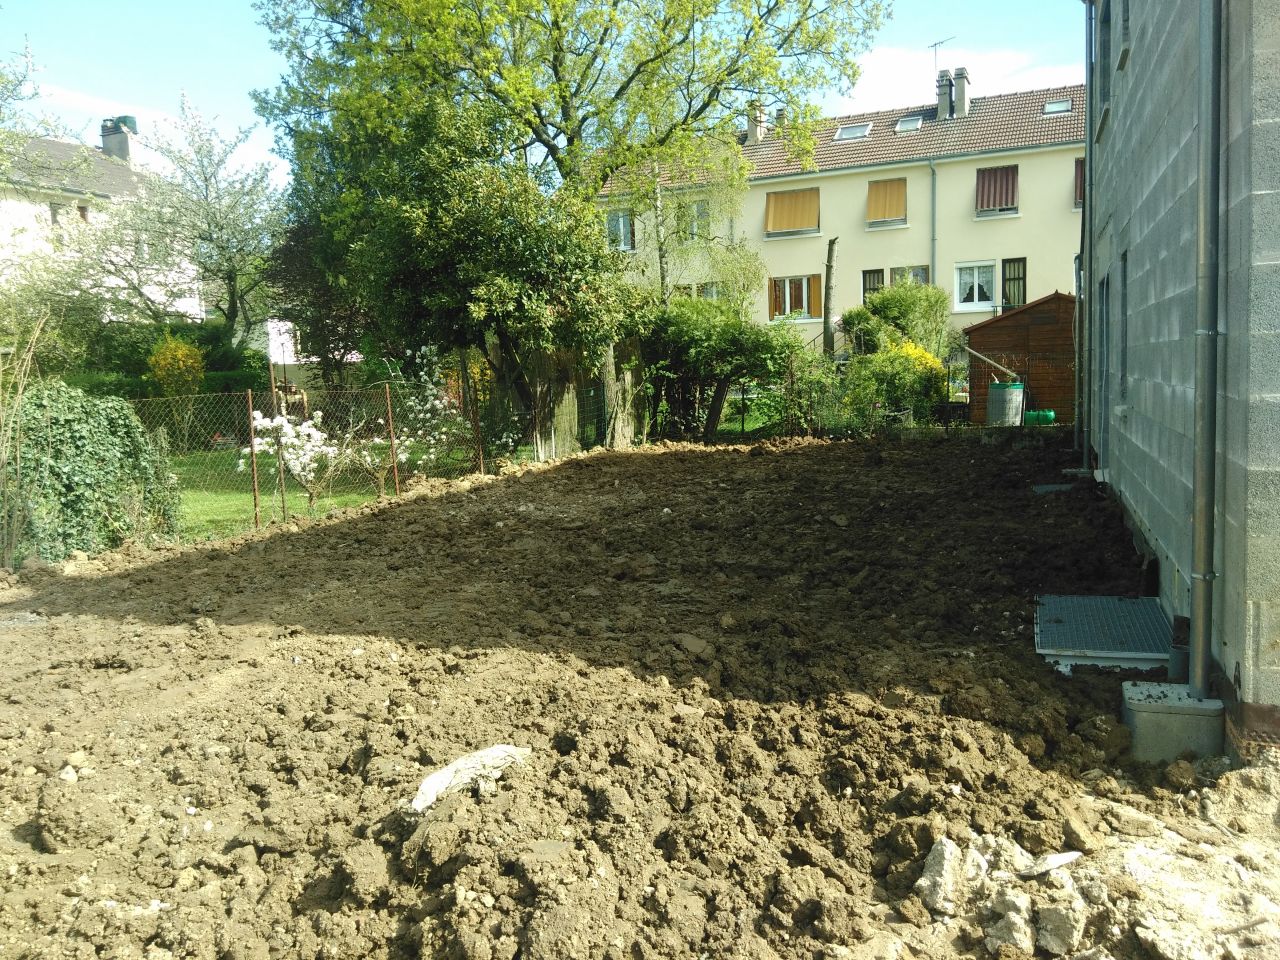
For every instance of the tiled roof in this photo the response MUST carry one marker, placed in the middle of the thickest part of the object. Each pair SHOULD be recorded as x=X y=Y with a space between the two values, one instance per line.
x=1001 y=122
x=59 y=166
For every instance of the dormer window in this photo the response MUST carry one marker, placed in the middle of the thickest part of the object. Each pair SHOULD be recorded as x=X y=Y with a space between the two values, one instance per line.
x=907 y=124
x=1057 y=106
x=853 y=131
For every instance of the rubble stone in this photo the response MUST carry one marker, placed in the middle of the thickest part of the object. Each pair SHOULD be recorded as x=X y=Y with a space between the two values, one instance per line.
x=942 y=886
x=1060 y=927
x=1013 y=930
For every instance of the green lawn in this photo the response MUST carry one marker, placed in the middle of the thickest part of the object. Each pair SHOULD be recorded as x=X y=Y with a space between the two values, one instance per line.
x=217 y=496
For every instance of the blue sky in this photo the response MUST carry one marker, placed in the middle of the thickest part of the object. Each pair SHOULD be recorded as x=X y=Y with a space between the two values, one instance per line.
x=98 y=58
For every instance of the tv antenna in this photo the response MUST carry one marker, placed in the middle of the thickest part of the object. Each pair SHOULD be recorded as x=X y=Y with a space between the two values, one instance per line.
x=935 y=47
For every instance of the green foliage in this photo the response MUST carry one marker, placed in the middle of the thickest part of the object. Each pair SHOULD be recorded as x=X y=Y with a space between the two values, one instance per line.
x=904 y=310
x=900 y=379
x=110 y=384
x=88 y=477
x=177 y=366
x=591 y=85
x=697 y=349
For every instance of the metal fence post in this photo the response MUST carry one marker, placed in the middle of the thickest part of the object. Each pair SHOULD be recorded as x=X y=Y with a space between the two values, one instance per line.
x=391 y=433
x=253 y=461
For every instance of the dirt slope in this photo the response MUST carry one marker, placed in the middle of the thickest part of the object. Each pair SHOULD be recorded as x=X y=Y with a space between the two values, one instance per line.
x=760 y=686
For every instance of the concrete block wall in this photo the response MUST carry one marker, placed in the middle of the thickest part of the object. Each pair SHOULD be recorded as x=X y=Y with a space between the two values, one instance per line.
x=1144 y=211
x=1145 y=206
x=1250 y=605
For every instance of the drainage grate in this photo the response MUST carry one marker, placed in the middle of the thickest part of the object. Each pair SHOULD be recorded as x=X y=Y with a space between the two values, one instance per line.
x=1108 y=631
x=1043 y=488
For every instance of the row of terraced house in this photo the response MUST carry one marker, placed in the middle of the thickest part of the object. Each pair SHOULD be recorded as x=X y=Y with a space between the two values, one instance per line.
x=979 y=195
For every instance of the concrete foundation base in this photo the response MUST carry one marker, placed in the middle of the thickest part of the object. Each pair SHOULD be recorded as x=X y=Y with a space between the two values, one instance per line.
x=1166 y=722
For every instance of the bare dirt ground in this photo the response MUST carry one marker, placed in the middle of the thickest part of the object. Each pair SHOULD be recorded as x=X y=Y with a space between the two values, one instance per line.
x=781 y=702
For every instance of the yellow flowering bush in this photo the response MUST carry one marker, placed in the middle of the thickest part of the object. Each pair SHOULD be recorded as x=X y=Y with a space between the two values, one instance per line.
x=177 y=366
x=897 y=378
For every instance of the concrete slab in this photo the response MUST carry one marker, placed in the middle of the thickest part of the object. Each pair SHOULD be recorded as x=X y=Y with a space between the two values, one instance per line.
x=1166 y=722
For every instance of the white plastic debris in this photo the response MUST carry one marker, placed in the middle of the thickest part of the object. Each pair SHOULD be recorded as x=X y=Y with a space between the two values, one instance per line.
x=487 y=764
x=1049 y=862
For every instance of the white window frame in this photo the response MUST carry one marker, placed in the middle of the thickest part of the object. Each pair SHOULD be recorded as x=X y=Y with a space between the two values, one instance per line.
x=788 y=307
x=864 y=127
x=623 y=241
x=1059 y=110
x=909 y=124
x=978 y=306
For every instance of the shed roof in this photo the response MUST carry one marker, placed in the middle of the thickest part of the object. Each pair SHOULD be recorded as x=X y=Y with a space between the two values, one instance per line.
x=1013 y=314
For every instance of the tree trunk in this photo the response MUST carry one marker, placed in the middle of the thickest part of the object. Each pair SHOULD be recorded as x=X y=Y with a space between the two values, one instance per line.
x=555 y=410
x=619 y=389
x=715 y=408
x=660 y=238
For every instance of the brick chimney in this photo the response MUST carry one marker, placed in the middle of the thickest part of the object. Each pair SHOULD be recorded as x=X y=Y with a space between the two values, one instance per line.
x=944 y=94
x=115 y=136
x=757 y=124
x=960 y=108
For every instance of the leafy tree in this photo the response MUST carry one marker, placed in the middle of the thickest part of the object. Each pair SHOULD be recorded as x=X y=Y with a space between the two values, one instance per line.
x=204 y=226
x=589 y=86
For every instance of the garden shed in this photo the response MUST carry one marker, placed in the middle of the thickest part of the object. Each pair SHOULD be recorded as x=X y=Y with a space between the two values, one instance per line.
x=1036 y=342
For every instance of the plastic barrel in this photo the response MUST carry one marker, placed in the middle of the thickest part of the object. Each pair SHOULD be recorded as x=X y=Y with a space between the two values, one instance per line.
x=1004 y=404
x=1039 y=418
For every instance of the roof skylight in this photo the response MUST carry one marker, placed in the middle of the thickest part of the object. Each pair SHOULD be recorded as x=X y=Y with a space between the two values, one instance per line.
x=853 y=131
x=1057 y=106
x=907 y=124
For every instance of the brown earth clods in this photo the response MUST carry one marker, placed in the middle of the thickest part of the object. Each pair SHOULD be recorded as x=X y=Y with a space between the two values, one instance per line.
x=759 y=687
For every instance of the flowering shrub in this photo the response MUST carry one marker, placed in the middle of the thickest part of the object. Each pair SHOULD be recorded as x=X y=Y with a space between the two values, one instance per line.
x=899 y=379
x=304 y=448
x=177 y=366
x=429 y=420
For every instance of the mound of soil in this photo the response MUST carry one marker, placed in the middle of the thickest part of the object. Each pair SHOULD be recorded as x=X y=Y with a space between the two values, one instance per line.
x=759 y=685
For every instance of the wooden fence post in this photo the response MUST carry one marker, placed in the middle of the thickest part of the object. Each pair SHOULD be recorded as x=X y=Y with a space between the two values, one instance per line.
x=391 y=433
x=253 y=460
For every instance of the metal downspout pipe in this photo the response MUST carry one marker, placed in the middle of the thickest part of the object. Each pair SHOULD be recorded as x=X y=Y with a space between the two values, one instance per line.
x=933 y=222
x=1204 y=498
x=1086 y=285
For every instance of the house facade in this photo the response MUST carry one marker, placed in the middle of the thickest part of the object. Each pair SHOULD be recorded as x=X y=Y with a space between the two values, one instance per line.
x=1182 y=335
x=55 y=186
x=978 y=195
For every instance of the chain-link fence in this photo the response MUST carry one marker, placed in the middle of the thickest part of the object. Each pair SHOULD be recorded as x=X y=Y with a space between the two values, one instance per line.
x=245 y=460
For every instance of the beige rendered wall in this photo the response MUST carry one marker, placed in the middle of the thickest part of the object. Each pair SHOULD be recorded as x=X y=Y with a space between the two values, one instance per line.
x=1046 y=229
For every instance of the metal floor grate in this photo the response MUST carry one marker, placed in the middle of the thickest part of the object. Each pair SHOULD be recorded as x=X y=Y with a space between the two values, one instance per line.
x=1112 y=631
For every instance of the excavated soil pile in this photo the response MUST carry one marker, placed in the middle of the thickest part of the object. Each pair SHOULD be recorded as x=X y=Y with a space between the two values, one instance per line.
x=759 y=687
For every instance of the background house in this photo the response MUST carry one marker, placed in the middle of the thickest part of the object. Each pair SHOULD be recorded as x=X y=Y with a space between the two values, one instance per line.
x=54 y=186
x=979 y=195
x=1146 y=83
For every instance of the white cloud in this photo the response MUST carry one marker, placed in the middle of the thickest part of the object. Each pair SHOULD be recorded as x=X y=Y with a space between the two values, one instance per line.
x=902 y=77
